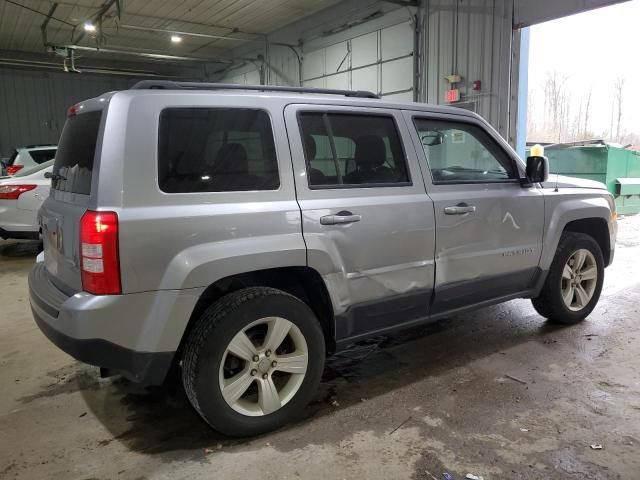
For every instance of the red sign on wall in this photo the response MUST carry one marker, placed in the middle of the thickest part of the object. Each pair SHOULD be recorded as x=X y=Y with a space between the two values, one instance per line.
x=452 y=95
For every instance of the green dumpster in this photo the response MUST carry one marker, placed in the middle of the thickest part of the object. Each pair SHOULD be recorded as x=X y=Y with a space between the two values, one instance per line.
x=618 y=168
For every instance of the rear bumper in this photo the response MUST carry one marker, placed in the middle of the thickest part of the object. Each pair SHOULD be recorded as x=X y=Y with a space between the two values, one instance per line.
x=142 y=367
x=16 y=222
x=99 y=330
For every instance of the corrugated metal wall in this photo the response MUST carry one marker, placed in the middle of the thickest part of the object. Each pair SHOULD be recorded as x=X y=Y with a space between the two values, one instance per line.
x=350 y=58
x=33 y=104
x=380 y=61
x=357 y=44
x=471 y=38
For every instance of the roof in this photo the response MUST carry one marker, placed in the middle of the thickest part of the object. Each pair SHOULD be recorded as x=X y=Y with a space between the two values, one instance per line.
x=289 y=94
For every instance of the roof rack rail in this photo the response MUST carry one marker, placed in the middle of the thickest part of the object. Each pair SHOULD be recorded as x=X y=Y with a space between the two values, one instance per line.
x=170 y=85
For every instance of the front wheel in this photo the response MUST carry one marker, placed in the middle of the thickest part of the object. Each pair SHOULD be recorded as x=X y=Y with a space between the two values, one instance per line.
x=253 y=361
x=573 y=285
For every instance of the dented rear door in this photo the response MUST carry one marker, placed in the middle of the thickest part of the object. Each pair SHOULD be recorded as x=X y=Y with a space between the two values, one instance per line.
x=372 y=243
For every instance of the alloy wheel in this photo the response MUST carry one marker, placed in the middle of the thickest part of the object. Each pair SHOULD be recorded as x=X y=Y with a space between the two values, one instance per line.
x=263 y=366
x=579 y=279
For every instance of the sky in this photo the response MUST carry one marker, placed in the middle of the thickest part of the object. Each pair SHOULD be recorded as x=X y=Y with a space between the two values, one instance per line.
x=592 y=49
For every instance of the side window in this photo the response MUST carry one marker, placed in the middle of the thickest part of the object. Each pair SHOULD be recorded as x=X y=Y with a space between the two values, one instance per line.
x=216 y=150
x=41 y=156
x=461 y=152
x=352 y=150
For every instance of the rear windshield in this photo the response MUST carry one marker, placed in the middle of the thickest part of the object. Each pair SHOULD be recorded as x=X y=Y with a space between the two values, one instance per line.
x=41 y=156
x=73 y=167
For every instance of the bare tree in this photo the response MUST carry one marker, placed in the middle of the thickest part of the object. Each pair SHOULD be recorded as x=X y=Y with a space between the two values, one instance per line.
x=574 y=123
x=556 y=101
x=618 y=88
x=532 y=126
x=585 y=129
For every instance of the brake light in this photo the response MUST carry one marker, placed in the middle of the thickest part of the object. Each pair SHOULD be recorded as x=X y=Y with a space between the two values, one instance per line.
x=12 y=192
x=13 y=169
x=73 y=110
x=99 y=262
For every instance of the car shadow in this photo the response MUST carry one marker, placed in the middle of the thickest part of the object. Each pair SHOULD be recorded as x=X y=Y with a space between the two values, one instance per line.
x=161 y=420
x=20 y=248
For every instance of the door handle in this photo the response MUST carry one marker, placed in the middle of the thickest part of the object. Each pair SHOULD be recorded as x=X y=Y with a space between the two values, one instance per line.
x=340 y=218
x=459 y=209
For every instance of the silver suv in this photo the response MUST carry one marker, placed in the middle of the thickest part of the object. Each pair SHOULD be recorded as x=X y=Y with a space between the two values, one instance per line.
x=244 y=233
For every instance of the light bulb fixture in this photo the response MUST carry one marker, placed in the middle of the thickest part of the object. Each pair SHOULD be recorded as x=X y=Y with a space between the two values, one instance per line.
x=176 y=38
x=89 y=27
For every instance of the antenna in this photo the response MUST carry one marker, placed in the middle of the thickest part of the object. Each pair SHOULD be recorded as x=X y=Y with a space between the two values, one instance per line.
x=557 y=176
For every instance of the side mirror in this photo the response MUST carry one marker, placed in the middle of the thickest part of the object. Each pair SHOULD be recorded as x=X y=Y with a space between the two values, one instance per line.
x=537 y=169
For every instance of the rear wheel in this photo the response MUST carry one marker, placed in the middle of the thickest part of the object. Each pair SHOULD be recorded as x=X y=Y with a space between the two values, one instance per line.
x=253 y=361
x=573 y=285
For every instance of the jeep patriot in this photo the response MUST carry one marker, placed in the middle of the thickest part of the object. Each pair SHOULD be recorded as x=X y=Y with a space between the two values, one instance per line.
x=239 y=234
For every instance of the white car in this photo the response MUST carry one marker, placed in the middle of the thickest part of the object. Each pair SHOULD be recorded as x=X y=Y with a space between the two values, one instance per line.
x=20 y=198
x=25 y=158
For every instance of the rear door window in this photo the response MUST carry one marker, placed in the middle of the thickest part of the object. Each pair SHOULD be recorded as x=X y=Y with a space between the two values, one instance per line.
x=73 y=168
x=352 y=150
x=216 y=150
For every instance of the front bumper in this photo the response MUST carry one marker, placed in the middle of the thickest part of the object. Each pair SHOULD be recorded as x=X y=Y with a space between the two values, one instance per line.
x=84 y=325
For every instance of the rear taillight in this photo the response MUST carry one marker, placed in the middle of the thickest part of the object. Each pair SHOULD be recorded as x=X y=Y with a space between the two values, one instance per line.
x=72 y=110
x=13 y=169
x=12 y=192
x=99 y=262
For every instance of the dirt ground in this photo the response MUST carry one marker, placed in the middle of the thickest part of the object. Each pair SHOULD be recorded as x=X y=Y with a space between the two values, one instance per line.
x=497 y=393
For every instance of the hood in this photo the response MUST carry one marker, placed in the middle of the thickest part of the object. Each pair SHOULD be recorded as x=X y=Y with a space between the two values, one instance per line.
x=572 y=182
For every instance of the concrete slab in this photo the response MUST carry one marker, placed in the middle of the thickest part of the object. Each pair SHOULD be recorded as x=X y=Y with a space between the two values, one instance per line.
x=497 y=393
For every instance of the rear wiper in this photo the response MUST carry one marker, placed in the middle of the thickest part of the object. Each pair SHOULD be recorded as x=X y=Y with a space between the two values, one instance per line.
x=53 y=176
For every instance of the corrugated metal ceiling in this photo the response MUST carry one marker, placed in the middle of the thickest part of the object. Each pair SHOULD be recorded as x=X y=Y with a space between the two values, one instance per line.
x=20 y=24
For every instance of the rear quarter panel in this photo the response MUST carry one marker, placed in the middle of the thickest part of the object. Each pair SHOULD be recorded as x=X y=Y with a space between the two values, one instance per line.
x=190 y=240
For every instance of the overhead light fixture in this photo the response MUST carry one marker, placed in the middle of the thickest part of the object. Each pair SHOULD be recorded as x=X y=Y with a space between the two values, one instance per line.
x=176 y=38
x=89 y=27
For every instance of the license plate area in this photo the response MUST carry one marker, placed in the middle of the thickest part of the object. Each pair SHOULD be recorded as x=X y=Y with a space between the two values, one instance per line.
x=52 y=243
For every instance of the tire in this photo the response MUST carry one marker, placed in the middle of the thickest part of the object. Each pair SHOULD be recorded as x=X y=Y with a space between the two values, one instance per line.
x=255 y=314
x=552 y=303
